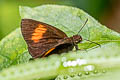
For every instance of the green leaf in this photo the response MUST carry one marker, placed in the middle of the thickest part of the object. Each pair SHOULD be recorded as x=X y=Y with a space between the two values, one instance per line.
x=90 y=65
x=13 y=50
x=95 y=64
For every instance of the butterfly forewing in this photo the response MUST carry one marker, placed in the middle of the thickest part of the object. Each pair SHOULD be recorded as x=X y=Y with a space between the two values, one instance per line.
x=40 y=37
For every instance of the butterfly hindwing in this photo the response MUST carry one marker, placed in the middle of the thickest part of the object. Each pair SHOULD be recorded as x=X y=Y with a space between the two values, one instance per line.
x=40 y=37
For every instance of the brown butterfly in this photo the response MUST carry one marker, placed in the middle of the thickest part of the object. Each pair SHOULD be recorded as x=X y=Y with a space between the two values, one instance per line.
x=43 y=39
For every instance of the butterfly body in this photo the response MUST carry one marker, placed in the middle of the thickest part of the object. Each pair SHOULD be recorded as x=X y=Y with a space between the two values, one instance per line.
x=43 y=39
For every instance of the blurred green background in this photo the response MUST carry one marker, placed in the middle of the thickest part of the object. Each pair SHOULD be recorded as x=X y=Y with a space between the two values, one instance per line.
x=103 y=10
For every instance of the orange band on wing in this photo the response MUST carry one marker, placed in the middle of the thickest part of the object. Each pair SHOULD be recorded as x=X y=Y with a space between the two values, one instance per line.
x=48 y=52
x=38 y=33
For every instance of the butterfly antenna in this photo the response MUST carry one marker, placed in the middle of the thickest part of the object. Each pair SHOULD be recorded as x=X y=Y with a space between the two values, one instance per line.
x=82 y=26
x=93 y=42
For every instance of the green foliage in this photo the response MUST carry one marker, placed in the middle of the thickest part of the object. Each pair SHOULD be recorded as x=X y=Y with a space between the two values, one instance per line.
x=99 y=63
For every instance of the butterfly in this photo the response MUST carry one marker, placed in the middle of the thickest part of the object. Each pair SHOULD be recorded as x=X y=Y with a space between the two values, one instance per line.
x=43 y=39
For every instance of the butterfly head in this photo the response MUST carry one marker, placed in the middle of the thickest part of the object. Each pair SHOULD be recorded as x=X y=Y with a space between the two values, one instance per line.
x=77 y=39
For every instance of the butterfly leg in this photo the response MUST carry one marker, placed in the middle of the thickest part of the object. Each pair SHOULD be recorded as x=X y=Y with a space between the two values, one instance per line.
x=76 y=47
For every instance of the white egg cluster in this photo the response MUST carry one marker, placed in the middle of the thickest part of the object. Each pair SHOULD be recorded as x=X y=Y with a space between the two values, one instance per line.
x=79 y=62
x=74 y=63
